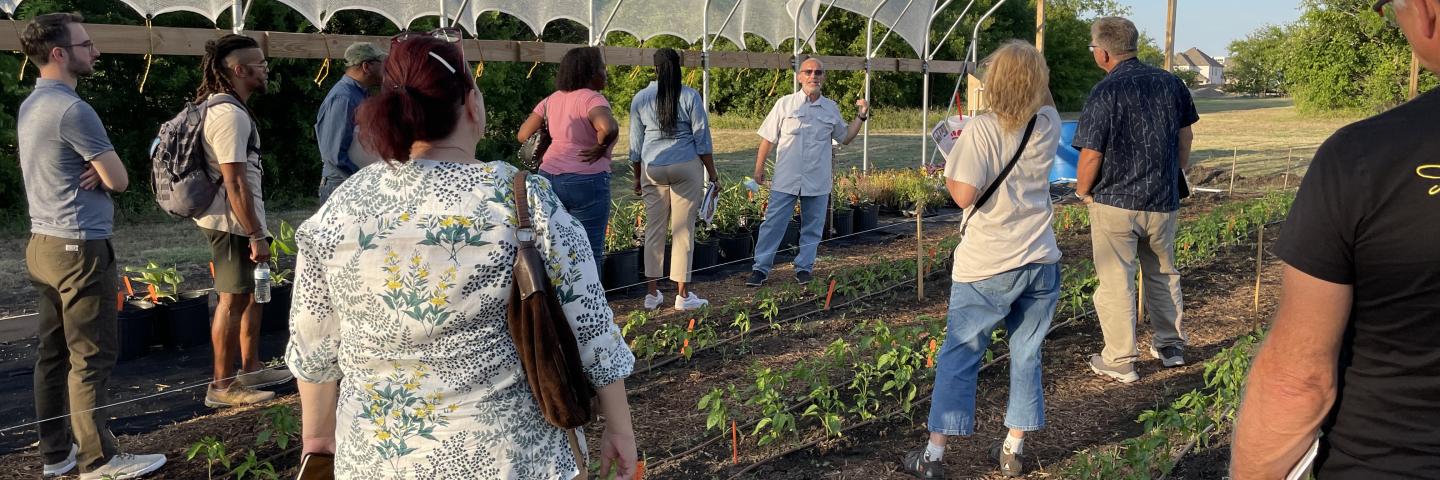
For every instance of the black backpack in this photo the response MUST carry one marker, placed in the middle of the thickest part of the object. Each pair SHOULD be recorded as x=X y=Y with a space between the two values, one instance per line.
x=178 y=171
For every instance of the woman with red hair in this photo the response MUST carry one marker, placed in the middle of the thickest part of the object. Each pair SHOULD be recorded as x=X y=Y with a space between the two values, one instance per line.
x=398 y=330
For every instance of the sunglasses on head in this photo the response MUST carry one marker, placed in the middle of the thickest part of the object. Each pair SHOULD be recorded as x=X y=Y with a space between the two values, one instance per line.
x=448 y=34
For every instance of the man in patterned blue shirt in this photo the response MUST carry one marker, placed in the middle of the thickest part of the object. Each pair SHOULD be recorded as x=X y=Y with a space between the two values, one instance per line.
x=1134 y=140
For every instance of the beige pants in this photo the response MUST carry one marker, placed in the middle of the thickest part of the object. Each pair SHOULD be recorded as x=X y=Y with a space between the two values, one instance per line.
x=672 y=198
x=1117 y=237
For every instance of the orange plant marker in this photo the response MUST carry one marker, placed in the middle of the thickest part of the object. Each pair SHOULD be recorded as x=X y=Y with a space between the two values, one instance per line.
x=119 y=301
x=639 y=470
x=830 y=294
x=212 y=270
x=686 y=345
x=128 y=288
x=930 y=359
x=154 y=296
x=734 y=443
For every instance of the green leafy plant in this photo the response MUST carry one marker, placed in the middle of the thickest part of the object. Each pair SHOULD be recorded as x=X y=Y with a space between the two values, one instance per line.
x=282 y=427
x=166 y=280
x=253 y=468
x=281 y=245
x=623 y=232
x=214 y=452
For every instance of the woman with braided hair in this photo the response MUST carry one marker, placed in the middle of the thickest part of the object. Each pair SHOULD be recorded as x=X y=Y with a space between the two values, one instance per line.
x=234 y=69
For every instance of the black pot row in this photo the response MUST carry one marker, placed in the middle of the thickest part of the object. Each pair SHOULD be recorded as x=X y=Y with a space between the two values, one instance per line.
x=627 y=267
x=185 y=323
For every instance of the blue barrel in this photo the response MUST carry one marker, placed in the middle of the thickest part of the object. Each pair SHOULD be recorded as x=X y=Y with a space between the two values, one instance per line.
x=1066 y=157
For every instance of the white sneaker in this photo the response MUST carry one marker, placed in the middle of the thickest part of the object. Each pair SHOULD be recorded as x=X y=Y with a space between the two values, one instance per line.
x=690 y=302
x=653 y=301
x=64 y=466
x=125 y=466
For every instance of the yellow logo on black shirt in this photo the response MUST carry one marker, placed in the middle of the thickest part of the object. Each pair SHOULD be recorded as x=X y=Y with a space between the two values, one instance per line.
x=1431 y=172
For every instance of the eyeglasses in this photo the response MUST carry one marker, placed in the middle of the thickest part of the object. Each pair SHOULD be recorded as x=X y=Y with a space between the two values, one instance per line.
x=1386 y=9
x=88 y=45
x=262 y=65
x=1093 y=47
x=813 y=73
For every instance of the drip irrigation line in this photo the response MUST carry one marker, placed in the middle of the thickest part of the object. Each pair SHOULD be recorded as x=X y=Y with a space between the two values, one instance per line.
x=771 y=325
x=133 y=400
x=752 y=257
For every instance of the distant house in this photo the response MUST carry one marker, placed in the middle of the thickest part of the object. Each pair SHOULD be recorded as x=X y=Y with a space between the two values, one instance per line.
x=1211 y=71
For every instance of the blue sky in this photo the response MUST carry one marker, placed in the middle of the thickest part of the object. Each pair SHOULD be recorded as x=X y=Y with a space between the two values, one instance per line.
x=1210 y=24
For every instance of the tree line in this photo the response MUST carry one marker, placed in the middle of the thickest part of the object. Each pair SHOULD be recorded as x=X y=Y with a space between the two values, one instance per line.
x=286 y=113
x=1337 y=56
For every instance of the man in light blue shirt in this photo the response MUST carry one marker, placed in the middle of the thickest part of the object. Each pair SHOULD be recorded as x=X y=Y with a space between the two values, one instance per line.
x=335 y=124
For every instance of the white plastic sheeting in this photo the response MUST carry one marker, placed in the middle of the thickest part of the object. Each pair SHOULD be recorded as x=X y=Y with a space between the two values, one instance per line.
x=771 y=20
x=210 y=9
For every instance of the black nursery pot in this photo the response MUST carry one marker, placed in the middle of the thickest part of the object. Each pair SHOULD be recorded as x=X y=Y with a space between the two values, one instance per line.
x=276 y=316
x=734 y=246
x=621 y=269
x=706 y=255
x=134 y=322
x=792 y=237
x=843 y=223
x=867 y=217
x=186 y=322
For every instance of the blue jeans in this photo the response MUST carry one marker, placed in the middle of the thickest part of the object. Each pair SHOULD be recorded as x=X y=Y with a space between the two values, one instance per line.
x=587 y=198
x=777 y=220
x=1024 y=298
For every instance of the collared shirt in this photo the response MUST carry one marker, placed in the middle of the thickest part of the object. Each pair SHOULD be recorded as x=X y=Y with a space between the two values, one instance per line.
x=58 y=136
x=335 y=127
x=802 y=132
x=1133 y=117
x=648 y=142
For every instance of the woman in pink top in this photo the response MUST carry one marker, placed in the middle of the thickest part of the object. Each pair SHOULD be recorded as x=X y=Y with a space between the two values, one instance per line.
x=583 y=131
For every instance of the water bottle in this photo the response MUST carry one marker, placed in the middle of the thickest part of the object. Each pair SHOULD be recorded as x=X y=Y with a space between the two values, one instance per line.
x=262 y=283
x=750 y=184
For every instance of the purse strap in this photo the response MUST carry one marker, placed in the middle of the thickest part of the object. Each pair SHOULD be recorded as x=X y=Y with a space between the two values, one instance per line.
x=525 y=232
x=995 y=185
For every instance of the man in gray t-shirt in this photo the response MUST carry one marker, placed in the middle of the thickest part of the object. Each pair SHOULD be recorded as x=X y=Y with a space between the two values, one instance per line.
x=69 y=169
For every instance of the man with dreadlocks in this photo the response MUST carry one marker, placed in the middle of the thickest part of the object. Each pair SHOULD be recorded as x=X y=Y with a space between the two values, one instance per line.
x=234 y=69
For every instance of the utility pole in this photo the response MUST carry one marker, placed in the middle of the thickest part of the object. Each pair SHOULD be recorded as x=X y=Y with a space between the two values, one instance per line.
x=1170 y=37
x=1040 y=25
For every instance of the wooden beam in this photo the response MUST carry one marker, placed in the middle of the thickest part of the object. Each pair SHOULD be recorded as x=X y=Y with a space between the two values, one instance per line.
x=138 y=40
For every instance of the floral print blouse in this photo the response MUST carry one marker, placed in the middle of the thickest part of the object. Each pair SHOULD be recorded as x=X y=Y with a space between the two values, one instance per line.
x=401 y=286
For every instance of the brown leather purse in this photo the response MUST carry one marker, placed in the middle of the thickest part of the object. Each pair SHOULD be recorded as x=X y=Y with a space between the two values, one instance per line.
x=543 y=337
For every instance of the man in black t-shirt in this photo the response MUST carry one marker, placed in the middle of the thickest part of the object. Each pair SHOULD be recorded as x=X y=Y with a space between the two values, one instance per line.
x=1354 y=351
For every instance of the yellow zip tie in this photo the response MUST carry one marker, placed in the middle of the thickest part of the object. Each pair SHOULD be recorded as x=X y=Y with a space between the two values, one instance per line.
x=532 y=67
x=149 y=55
x=480 y=61
x=776 y=83
x=325 y=65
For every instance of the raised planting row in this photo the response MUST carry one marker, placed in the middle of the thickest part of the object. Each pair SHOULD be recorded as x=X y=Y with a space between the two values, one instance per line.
x=1195 y=418
x=848 y=383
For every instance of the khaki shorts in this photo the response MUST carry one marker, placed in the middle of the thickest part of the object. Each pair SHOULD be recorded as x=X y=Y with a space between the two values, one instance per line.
x=234 y=272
